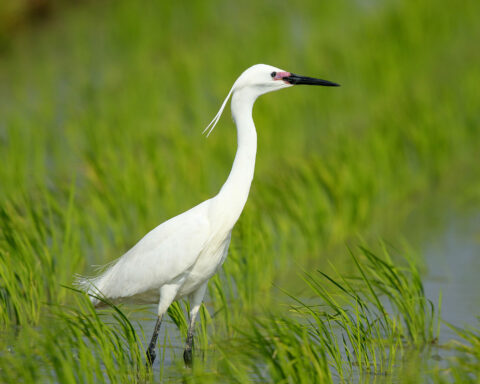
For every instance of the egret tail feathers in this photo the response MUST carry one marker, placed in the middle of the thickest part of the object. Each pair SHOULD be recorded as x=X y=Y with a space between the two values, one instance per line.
x=92 y=285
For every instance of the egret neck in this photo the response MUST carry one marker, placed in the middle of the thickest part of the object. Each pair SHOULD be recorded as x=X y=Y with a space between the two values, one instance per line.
x=234 y=192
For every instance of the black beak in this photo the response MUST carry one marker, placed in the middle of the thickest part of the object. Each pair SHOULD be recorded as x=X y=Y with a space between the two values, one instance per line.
x=297 y=80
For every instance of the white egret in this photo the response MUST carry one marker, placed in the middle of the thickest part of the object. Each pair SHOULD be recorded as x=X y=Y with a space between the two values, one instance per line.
x=177 y=258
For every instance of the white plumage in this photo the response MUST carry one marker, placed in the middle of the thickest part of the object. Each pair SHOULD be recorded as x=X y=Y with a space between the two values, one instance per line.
x=166 y=253
x=177 y=258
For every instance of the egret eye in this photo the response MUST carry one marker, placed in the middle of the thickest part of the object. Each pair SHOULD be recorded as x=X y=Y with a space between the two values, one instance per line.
x=273 y=74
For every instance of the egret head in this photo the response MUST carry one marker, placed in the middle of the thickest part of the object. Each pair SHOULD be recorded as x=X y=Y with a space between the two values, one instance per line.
x=262 y=78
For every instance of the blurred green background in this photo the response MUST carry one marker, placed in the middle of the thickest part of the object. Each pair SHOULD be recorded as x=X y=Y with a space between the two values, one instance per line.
x=102 y=105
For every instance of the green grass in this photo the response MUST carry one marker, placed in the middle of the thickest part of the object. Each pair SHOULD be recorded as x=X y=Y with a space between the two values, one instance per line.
x=75 y=344
x=351 y=326
x=101 y=110
x=465 y=365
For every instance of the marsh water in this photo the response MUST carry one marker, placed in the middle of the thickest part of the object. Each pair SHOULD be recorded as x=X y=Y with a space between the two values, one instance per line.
x=453 y=263
x=452 y=266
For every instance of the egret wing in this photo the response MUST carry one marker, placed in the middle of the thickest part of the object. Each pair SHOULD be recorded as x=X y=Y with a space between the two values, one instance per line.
x=161 y=256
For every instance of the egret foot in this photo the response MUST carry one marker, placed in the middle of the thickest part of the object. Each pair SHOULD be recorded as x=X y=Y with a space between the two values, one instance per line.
x=188 y=357
x=153 y=343
x=188 y=352
x=150 y=356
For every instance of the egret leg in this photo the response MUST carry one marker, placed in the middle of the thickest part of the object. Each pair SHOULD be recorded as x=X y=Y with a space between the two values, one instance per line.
x=151 y=354
x=196 y=299
x=167 y=295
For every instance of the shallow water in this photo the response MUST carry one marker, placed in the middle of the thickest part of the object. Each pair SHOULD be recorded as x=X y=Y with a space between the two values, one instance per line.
x=453 y=261
x=452 y=258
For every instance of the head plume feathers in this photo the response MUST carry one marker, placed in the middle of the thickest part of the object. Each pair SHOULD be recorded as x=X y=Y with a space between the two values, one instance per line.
x=214 y=122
